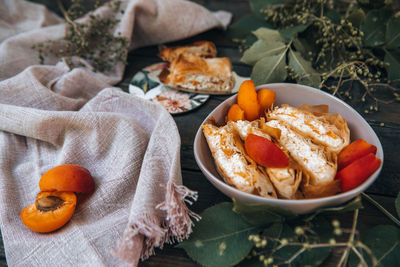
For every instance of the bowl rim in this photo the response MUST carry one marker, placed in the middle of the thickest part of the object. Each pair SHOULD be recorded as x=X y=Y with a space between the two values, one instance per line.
x=349 y=194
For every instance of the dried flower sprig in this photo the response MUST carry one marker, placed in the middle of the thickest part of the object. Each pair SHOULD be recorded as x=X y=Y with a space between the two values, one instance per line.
x=93 y=41
x=333 y=45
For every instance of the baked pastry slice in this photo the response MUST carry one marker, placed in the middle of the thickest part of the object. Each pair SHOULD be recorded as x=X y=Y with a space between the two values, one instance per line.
x=201 y=48
x=194 y=73
x=285 y=180
x=237 y=169
x=329 y=130
x=315 y=160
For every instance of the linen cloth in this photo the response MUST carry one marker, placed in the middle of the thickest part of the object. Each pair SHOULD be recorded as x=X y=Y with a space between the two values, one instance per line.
x=51 y=116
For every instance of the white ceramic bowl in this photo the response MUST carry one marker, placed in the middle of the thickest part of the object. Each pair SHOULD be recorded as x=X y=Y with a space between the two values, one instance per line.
x=294 y=95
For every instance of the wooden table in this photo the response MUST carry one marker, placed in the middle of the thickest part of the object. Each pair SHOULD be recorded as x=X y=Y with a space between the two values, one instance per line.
x=383 y=190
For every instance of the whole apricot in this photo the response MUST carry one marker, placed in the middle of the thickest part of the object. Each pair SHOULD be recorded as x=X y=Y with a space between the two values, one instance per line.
x=50 y=211
x=67 y=178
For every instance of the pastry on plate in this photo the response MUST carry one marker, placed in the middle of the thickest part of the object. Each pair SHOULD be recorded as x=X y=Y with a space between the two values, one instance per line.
x=194 y=73
x=201 y=48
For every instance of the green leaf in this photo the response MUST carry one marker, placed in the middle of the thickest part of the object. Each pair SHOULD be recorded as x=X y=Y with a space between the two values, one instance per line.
x=393 y=33
x=374 y=27
x=257 y=6
x=304 y=68
x=260 y=214
x=384 y=241
x=393 y=70
x=357 y=17
x=291 y=33
x=397 y=205
x=220 y=238
x=349 y=206
x=270 y=69
x=262 y=49
x=266 y=34
x=242 y=28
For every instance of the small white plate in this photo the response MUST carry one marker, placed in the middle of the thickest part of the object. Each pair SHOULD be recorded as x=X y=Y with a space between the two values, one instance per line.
x=238 y=80
x=174 y=101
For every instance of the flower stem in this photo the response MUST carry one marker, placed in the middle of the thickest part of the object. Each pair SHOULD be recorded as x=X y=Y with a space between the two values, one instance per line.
x=379 y=206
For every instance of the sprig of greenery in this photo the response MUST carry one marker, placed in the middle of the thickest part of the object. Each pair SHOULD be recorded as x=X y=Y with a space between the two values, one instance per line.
x=270 y=236
x=331 y=45
x=93 y=41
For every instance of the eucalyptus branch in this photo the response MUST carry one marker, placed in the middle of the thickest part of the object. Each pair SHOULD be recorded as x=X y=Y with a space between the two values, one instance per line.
x=381 y=208
x=350 y=243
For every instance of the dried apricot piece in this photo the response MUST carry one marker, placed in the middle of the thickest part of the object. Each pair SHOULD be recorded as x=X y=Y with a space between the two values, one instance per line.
x=247 y=100
x=50 y=211
x=266 y=98
x=67 y=178
x=235 y=113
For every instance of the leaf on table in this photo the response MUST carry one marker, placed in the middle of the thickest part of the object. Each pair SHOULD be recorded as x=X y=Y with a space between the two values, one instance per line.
x=393 y=33
x=374 y=27
x=397 y=205
x=257 y=6
x=357 y=17
x=261 y=214
x=384 y=241
x=393 y=70
x=291 y=33
x=266 y=34
x=262 y=49
x=303 y=67
x=242 y=28
x=270 y=69
x=349 y=206
x=220 y=238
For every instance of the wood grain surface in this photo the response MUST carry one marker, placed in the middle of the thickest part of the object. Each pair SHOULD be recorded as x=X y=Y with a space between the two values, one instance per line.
x=386 y=124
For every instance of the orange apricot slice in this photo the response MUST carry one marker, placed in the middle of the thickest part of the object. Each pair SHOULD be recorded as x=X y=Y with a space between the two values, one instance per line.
x=266 y=99
x=235 y=113
x=247 y=100
x=354 y=151
x=67 y=178
x=50 y=211
x=264 y=152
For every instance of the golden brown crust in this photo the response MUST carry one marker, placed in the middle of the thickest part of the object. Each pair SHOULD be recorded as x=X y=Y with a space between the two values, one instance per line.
x=200 y=48
x=197 y=73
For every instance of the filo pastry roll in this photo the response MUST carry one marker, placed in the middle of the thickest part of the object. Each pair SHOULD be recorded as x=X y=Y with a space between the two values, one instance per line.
x=232 y=163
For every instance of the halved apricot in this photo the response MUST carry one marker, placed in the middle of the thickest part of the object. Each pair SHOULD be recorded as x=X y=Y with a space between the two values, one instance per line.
x=247 y=100
x=235 y=113
x=50 y=211
x=67 y=178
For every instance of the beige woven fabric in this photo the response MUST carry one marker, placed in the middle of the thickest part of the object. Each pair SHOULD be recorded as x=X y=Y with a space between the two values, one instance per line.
x=51 y=116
